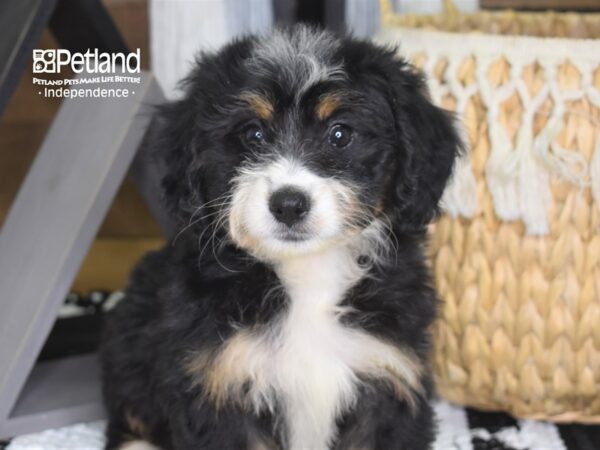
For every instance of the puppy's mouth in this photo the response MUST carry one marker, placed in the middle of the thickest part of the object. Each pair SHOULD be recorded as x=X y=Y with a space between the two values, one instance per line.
x=291 y=236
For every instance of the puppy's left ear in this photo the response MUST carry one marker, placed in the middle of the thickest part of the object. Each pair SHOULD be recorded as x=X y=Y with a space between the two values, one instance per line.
x=428 y=146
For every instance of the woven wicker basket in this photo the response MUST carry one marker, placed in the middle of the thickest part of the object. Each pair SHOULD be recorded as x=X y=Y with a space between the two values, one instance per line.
x=517 y=255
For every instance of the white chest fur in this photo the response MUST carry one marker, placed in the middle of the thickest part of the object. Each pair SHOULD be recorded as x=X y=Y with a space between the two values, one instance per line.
x=308 y=362
x=313 y=367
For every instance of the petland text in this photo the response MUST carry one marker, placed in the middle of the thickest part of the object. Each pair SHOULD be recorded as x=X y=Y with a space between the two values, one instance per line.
x=92 y=61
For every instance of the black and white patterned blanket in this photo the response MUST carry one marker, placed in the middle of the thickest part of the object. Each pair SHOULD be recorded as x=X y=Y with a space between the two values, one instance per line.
x=458 y=429
x=468 y=429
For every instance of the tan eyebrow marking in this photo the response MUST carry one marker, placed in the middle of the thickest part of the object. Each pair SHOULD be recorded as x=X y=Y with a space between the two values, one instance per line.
x=261 y=105
x=328 y=103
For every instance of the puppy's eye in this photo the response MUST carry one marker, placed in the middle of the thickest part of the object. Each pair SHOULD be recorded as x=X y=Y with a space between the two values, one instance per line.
x=340 y=135
x=253 y=135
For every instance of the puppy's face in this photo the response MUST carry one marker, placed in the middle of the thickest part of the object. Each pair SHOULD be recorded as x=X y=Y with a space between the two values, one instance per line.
x=300 y=141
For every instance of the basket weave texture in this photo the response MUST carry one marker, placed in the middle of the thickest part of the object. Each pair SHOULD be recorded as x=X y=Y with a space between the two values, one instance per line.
x=516 y=258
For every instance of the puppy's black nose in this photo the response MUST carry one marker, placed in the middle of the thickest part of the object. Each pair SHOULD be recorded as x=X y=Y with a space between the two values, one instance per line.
x=289 y=205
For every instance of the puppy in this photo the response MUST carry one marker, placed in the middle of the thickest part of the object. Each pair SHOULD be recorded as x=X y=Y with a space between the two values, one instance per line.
x=292 y=309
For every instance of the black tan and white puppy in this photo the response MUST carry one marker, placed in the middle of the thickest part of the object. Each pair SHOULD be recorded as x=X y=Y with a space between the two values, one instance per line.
x=292 y=309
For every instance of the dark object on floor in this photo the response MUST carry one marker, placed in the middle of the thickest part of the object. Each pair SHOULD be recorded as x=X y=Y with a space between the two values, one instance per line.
x=78 y=327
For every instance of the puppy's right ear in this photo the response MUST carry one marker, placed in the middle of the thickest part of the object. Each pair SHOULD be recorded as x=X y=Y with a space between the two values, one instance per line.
x=187 y=129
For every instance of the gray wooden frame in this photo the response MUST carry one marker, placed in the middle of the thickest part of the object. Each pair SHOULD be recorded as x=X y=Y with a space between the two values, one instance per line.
x=46 y=235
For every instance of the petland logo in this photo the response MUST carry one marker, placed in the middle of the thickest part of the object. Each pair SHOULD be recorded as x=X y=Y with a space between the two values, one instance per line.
x=52 y=61
x=97 y=75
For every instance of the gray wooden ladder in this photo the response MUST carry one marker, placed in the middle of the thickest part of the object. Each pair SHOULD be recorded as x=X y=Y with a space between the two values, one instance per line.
x=59 y=208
